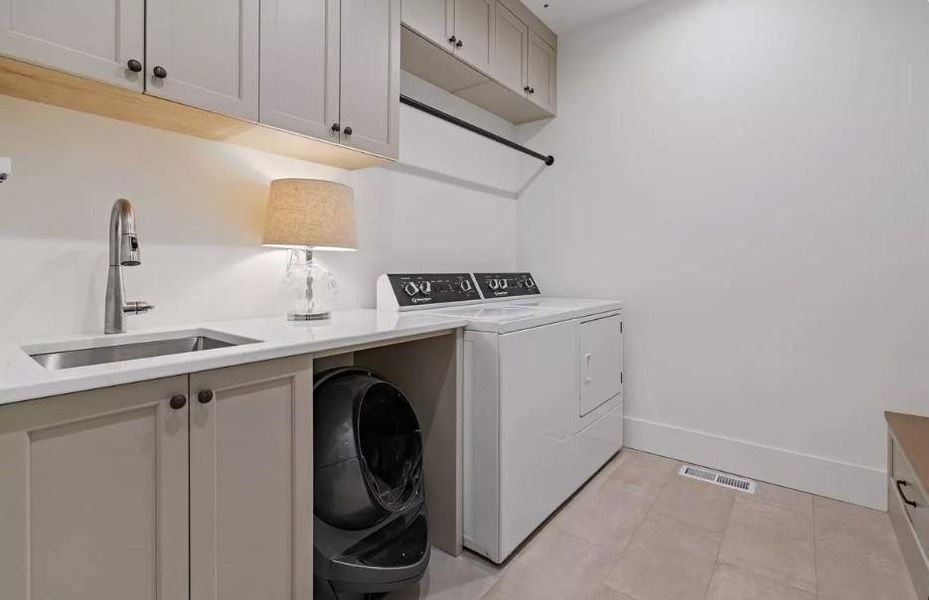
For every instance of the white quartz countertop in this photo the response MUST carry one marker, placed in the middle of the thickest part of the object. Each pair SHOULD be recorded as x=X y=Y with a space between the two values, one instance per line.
x=22 y=378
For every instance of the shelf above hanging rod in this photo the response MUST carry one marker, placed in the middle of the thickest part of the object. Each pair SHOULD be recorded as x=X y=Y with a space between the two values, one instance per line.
x=549 y=160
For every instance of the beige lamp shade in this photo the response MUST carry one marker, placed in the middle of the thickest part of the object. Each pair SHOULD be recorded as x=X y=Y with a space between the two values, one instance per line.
x=310 y=213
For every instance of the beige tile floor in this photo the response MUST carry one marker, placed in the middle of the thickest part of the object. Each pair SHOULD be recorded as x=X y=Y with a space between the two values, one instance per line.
x=638 y=531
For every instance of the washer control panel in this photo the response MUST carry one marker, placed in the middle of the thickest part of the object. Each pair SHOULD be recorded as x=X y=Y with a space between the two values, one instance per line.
x=417 y=289
x=506 y=285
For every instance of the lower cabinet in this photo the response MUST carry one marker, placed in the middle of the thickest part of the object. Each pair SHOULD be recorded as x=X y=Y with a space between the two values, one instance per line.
x=193 y=486
x=251 y=469
x=93 y=495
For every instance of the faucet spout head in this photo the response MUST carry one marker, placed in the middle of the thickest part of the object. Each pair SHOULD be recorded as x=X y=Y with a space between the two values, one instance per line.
x=124 y=241
x=129 y=250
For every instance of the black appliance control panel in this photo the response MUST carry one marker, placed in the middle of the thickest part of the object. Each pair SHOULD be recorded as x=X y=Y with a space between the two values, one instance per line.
x=507 y=285
x=417 y=289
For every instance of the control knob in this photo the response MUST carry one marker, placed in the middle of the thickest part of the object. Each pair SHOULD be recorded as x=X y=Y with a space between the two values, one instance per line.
x=411 y=289
x=425 y=287
x=493 y=284
x=529 y=282
x=504 y=284
x=465 y=285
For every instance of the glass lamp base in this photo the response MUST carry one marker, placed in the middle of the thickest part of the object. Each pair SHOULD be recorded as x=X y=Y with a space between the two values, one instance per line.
x=307 y=288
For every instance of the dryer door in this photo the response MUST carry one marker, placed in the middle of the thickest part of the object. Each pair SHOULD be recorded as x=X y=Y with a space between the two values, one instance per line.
x=601 y=356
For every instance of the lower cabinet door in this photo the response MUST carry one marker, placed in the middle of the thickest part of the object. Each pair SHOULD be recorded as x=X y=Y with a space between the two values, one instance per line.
x=251 y=469
x=94 y=494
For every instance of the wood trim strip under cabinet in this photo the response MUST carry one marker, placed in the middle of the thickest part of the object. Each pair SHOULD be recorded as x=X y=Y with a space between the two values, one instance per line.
x=39 y=84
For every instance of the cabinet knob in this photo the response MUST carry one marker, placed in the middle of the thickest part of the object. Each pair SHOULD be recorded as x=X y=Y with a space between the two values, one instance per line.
x=159 y=72
x=205 y=396
x=459 y=44
x=348 y=131
x=526 y=89
x=452 y=39
x=178 y=402
x=336 y=127
x=532 y=90
x=134 y=66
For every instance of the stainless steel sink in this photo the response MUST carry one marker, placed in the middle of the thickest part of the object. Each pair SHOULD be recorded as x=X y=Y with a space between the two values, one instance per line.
x=55 y=359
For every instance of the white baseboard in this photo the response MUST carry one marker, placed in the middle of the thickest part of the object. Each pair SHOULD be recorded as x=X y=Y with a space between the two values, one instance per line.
x=814 y=474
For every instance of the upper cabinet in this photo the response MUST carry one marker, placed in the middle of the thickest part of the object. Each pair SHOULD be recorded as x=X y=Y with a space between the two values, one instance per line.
x=509 y=63
x=204 y=54
x=494 y=53
x=330 y=69
x=300 y=66
x=541 y=83
x=100 y=39
x=325 y=70
x=370 y=76
x=432 y=19
x=474 y=32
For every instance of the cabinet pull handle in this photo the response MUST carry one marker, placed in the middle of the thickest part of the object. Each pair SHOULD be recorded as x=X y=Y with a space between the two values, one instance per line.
x=459 y=44
x=587 y=377
x=159 y=72
x=526 y=89
x=532 y=90
x=205 y=396
x=452 y=40
x=348 y=131
x=134 y=66
x=336 y=127
x=900 y=485
x=178 y=402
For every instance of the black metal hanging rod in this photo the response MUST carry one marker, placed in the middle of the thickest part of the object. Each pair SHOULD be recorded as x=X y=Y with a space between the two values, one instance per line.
x=435 y=112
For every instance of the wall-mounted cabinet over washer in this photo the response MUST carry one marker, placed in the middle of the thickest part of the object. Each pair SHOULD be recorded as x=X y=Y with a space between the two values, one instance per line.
x=494 y=53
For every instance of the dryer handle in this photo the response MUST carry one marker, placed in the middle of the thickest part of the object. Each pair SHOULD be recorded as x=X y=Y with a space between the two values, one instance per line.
x=587 y=376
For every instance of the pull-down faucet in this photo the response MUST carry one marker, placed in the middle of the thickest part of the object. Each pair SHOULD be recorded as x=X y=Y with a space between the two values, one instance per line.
x=124 y=252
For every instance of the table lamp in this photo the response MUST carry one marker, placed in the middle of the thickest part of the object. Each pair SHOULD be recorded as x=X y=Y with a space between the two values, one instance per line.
x=306 y=215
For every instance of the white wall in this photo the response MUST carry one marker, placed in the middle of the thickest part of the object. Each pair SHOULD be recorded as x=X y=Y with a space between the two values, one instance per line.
x=752 y=178
x=200 y=207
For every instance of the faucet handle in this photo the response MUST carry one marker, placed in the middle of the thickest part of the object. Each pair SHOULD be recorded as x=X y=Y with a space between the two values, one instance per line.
x=137 y=307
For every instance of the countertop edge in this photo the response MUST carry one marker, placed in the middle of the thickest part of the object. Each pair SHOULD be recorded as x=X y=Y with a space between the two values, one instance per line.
x=241 y=355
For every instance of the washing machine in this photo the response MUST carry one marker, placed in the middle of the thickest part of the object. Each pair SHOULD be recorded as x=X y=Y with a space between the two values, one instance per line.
x=543 y=394
x=371 y=532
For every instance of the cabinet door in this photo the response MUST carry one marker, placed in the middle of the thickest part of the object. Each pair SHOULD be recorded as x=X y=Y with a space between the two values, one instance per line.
x=251 y=470
x=209 y=52
x=93 y=499
x=510 y=47
x=542 y=74
x=474 y=27
x=432 y=19
x=601 y=354
x=370 y=96
x=300 y=66
x=90 y=38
